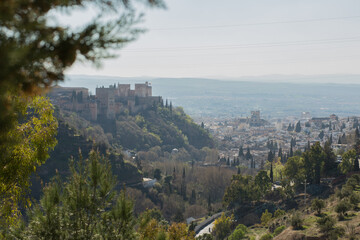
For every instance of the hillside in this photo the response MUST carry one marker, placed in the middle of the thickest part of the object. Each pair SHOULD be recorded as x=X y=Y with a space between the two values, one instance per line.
x=165 y=127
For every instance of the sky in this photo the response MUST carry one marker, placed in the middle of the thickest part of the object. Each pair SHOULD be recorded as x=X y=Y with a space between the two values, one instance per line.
x=230 y=39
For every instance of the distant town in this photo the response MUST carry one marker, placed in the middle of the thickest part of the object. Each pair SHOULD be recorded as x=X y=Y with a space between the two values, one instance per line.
x=283 y=137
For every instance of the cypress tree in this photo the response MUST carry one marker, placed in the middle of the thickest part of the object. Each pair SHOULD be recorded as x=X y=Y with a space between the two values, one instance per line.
x=298 y=127
x=241 y=152
x=271 y=173
x=280 y=153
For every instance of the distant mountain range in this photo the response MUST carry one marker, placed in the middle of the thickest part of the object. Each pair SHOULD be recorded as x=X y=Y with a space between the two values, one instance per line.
x=276 y=96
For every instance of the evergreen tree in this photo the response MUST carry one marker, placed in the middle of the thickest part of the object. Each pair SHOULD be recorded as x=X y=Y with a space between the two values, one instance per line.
x=170 y=107
x=291 y=152
x=202 y=125
x=252 y=163
x=298 y=127
x=357 y=133
x=174 y=174
x=343 y=139
x=271 y=173
x=321 y=135
x=85 y=207
x=331 y=139
x=280 y=153
x=166 y=104
x=248 y=155
x=228 y=161
x=270 y=156
x=313 y=161
x=241 y=152
x=330 y=157
x=193 y=197
x=238 y=170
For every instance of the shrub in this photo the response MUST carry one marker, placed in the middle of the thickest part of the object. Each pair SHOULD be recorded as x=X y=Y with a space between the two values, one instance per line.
x=278 y=213
x=266 y=217
x=350 y=232
x=297 y=221
x=317 y=205
x=354 y=199
x=346 y=191
x=278 y=230
x=341 y=208
x=327 y=227
x=326 y=224
x=239 y=232
x=267 y=236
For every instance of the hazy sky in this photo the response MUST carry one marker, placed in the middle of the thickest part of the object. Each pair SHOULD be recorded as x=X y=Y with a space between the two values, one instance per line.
x=234 y=38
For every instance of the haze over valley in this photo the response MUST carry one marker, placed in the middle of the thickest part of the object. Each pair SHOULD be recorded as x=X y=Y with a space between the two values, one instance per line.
x=275 y=97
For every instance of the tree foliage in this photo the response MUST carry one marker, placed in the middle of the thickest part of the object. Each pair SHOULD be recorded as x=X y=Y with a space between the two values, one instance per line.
x=348 y=159
x=85 y=207
x=317 y=205
x=25 y=147
x=222 y=226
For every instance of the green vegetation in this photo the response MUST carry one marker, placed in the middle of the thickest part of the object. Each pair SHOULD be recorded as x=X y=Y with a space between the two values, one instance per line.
x=317 y=205
x=266 y=218
x=266 y=236
x=327 y=227
x=239 y=232
x=87 y=206
x=25 y=148
x=222 y=226
x=278 y=230
x=161 y=127
x=297 y=221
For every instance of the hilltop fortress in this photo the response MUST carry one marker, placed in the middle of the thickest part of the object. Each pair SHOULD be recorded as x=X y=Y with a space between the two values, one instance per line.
x=107 y=102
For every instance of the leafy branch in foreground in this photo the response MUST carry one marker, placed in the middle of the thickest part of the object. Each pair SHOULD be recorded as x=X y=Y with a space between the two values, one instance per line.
x=25 y=147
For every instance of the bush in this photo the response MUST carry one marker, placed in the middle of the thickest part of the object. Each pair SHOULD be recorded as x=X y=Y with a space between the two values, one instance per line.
x=239 y=232
x=350 y=232
x=341 y=208
x=267 y=236
x=354 y=199
x=205 y=236
x=326 y=224
x=278 y=230
x=327 y=227
x=297 y=221
x=266 y=217
x=317 y=205
x=278 y=213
